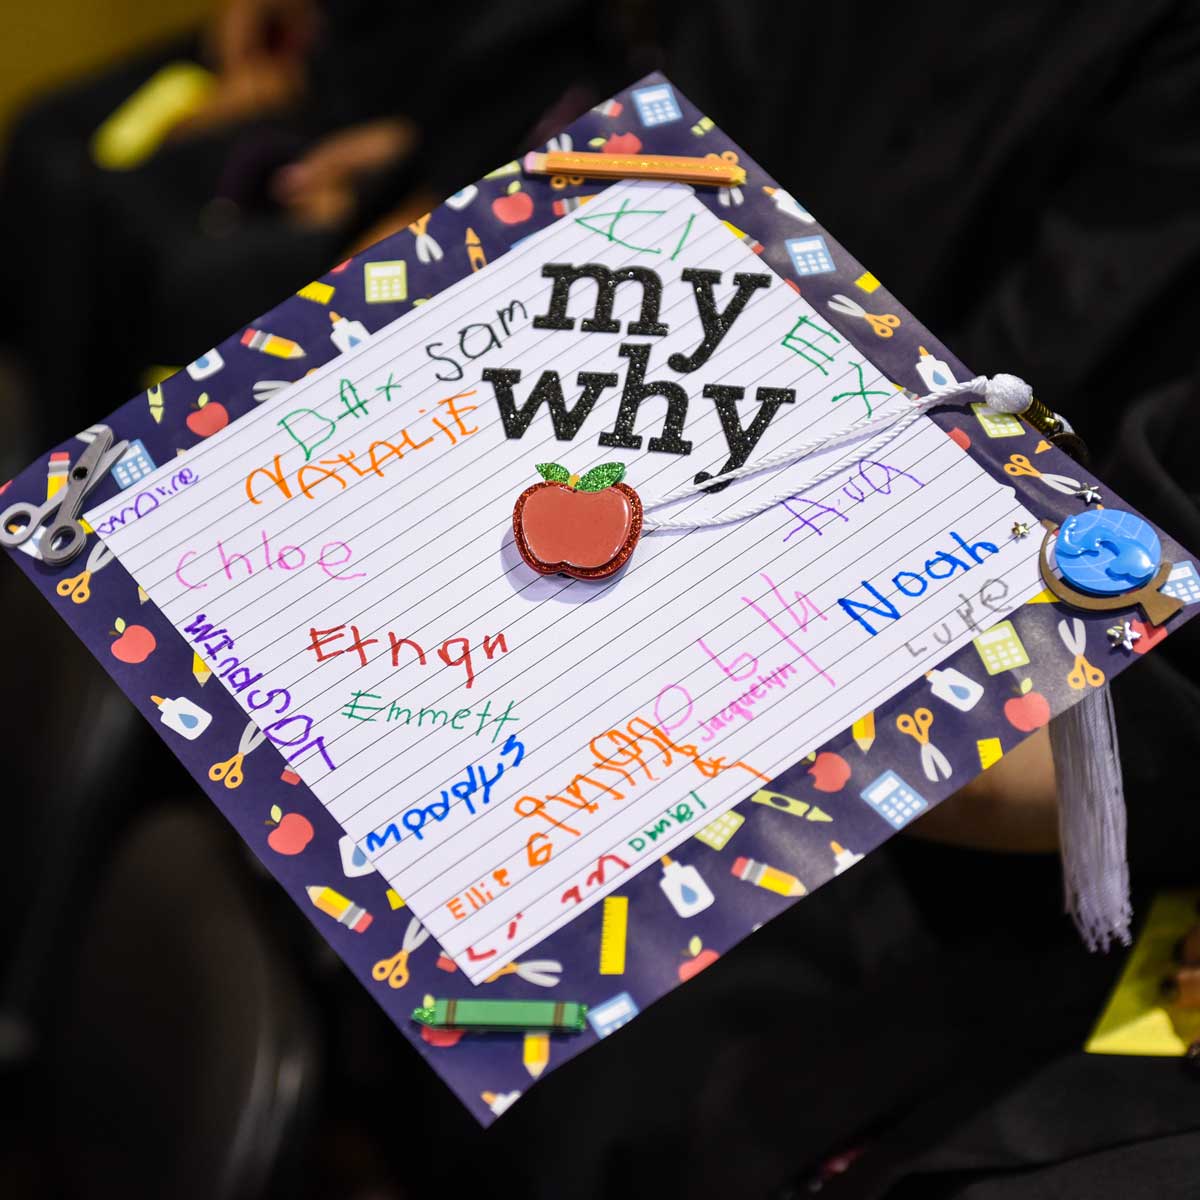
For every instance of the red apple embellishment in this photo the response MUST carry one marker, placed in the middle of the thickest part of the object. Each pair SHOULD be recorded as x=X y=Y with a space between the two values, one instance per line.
x=134 y=644
x=1029 y=710
x=292 y=832
x=829 y=772
x=513 y=207
x=619 y=143
x=439 y=1037
x=209 y=417
x=584 y=527
x=698 y=960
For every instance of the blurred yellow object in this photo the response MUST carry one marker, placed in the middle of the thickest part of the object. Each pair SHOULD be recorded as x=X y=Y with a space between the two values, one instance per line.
x=1137 y=1019
x=136 y=129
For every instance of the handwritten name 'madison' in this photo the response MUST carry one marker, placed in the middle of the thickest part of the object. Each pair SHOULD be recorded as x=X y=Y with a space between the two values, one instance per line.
x=715 y=323
x=239 y=677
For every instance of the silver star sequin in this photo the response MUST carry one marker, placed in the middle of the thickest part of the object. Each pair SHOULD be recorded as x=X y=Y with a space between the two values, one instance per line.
x=1124 y=635
x=1089 y=494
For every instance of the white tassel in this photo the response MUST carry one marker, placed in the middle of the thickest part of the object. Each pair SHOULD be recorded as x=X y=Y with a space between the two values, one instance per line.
x=1091 y=820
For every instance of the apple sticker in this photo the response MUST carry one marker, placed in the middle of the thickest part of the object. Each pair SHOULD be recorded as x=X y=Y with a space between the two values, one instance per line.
x=1029 y=710
x=514 y=206
x=292 y=831
x=698 y=958
x=208 y=417
x=134 y=644
x=585 y=527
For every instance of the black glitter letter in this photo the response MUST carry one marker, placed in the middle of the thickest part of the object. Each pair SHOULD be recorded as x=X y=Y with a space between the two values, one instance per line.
x=716 y=324
x=601 y=320
x=548 y=391
x=742 y=441
x=636 y=390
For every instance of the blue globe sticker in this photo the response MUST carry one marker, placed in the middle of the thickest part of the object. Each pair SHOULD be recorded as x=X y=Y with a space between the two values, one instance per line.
x=1106 y=552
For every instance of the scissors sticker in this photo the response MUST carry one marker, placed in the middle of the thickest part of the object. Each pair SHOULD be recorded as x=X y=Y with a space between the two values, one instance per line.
x=544 y=973
x=933 y=761
x=1019 y=464
x=882 y=324
x=394 y=970
x=427 y=249
x=1074 y=636
x=230 y=771
x=64 y=536
x=78 y=587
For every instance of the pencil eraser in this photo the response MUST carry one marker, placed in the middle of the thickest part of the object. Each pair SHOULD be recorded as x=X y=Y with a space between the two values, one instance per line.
x=531 y=161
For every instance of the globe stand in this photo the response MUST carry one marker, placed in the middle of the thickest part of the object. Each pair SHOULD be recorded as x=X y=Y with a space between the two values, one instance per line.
x=1158 y=607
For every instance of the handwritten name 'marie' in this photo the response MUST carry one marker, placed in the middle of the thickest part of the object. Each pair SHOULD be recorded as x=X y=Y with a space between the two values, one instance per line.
x=715 y=322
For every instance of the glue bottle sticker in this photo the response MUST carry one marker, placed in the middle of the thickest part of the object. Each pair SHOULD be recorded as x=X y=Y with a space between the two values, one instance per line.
x=187 y=719
x=684 y=887
x=934 y=372
x=955 y=688
x=346 y=334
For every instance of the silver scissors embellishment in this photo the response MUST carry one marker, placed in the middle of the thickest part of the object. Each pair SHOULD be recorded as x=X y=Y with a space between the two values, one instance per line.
x=64 y=535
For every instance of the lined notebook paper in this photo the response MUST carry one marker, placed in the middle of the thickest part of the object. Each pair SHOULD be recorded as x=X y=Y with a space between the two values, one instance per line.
x=508 y=748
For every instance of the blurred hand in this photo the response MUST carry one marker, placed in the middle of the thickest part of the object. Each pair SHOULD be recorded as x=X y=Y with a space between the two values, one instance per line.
x=259 y=50
x=320 y=189
x=247 y=32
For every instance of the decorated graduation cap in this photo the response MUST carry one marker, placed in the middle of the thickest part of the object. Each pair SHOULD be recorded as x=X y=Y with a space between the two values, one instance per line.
x=640 y=580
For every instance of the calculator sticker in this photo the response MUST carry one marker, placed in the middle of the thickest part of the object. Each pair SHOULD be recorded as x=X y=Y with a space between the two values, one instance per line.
x=1183 y=583
x=997 y=425
x=385 y=282
x=609 y=1015
x=810 y=255
x=1001 y=649
x=657 y=105
x=893 y=799
x=134 y=465
x=716 y=834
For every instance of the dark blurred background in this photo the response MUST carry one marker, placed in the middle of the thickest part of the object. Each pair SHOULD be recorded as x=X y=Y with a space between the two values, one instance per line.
x=1024 y=176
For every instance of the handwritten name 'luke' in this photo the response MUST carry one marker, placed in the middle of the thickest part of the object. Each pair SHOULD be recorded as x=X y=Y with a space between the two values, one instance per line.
x=715 y=323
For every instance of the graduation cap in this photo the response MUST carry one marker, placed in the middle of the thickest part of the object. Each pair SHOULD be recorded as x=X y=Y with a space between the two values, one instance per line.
x=612 y=574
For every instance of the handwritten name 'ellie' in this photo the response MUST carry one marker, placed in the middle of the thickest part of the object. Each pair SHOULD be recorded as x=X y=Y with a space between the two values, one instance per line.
x=715 y=323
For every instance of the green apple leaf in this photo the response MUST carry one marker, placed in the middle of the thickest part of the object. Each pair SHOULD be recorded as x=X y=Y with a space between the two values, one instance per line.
x=276 y=813
x=553 y=473
x=598 y=478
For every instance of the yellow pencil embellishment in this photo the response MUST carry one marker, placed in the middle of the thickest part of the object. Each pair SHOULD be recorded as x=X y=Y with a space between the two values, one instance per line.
x=536 y=1053
x=863 y=732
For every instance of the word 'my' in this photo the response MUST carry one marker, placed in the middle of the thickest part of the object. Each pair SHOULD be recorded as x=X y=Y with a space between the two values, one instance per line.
x=942 y=565
x=320 y=638
x=715 y=324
